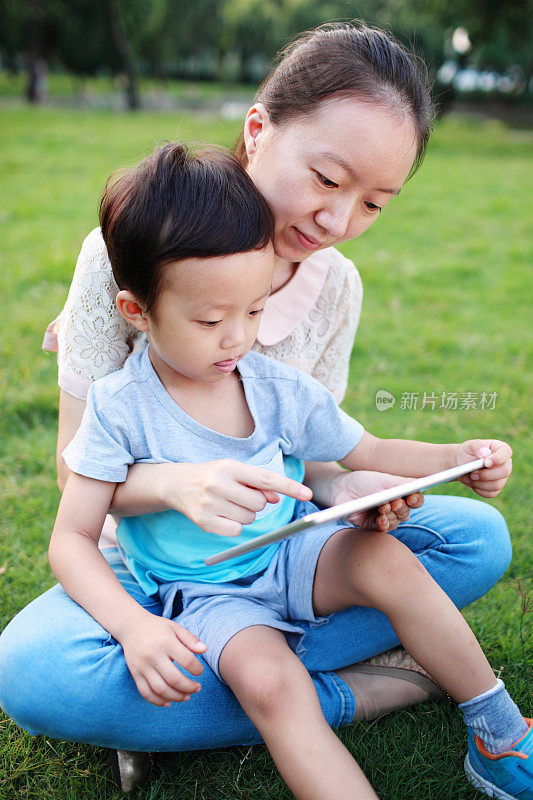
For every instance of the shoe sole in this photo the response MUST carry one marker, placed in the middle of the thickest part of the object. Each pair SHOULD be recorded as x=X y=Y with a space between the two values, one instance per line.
x=409 y=675
x=483 y=785
x=127 y=774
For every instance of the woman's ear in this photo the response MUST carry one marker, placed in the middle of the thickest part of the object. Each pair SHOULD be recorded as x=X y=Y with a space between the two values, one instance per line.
x=131 y=310
x=255 y=125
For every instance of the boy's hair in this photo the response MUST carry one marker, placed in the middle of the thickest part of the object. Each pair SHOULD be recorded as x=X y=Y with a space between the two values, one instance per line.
x=178 y=204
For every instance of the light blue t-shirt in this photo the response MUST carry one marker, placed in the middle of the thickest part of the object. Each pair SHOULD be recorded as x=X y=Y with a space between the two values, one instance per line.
x=130 y=417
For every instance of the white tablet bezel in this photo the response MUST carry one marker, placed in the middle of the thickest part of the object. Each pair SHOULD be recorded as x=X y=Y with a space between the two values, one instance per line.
x=345 y=510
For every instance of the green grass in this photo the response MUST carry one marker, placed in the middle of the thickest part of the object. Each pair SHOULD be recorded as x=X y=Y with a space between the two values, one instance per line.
x=447 y=309
x=106 y=91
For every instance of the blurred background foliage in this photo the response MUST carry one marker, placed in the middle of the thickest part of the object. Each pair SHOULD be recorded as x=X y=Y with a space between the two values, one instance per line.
x=233 y=41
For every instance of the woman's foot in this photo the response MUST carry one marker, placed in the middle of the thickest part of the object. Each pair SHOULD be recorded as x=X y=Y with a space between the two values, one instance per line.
x=387 y=682
x=129 y=768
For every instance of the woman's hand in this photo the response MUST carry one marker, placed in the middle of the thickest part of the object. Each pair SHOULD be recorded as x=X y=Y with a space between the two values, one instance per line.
x=352 y=485
x=150 y=648
x=222 y=496
x=489 y=481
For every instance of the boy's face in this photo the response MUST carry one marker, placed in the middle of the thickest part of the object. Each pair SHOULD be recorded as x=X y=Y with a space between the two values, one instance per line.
x=207 y=314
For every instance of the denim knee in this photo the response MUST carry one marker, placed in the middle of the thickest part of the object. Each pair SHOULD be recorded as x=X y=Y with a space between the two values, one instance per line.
x=495 y=550
x=46 y=656
x=16 y=675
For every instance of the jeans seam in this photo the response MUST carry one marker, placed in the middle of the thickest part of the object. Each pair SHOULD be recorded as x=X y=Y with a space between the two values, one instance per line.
x=425 y=528
x=348 y=701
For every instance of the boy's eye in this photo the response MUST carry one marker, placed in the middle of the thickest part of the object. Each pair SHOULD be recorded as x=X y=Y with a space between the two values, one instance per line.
x=326 y=181
x=373 y=207
x=208 y=324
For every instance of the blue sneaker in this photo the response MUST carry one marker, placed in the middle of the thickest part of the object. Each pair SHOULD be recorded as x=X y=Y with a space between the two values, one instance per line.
x=508 y=776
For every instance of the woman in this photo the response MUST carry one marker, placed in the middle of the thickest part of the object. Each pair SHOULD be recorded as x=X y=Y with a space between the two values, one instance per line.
x=338 y=126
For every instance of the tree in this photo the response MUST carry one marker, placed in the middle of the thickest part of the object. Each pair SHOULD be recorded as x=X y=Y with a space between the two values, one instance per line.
x=501 y=31
x=159 y=36
x=124 y=50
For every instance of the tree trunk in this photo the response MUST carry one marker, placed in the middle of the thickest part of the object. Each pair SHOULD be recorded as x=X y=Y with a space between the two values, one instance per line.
x=37 y=69
x=124 y=50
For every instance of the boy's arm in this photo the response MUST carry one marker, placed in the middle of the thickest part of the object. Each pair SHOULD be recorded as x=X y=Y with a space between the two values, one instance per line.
x=417 y=459
x=321 y=428
x=402 y=456
x=77 y=562
x=151 y=644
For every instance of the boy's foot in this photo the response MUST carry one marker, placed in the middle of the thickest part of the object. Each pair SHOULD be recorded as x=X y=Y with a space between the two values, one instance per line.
x=387 y=682
x=129 y=768
x=507 y=776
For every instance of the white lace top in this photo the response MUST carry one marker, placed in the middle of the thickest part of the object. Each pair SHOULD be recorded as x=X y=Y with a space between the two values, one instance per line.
x=309 y=323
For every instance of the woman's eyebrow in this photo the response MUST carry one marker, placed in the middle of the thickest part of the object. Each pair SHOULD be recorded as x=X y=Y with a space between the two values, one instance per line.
x=348 y=167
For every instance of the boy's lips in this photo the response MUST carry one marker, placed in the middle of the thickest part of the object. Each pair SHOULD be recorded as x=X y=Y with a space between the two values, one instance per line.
x=226 y=366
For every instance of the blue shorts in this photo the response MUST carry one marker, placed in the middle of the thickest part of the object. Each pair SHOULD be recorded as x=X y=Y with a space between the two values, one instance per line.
x=279 y=597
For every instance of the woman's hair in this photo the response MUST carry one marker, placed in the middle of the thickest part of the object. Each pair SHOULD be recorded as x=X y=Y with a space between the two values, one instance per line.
x=178 y=204
x=346 y=60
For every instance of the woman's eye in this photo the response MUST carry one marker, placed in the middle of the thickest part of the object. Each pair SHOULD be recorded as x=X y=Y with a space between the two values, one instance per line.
x=373 y=207
x=208 y=324
x=326 y=181
x=255 y=313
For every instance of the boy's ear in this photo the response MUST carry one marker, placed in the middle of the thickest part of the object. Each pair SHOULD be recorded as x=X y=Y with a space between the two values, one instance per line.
x=257 y=120
x=131 y=310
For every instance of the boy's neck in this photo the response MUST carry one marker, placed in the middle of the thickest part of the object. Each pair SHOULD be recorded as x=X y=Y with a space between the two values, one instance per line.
x=220 y=406
x=181 y=385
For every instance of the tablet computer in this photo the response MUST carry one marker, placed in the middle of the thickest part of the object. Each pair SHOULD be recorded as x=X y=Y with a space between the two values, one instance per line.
x=345 y=510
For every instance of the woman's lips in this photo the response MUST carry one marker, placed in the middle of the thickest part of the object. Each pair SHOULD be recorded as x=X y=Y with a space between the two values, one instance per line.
x=226 y=366
x=305 y=242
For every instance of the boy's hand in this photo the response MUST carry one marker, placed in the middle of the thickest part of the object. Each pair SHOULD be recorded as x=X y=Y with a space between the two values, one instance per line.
x=150 y=648
x=386 y=518
x=489 y=481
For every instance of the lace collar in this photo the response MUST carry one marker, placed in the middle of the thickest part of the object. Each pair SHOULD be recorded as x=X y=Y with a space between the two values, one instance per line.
x=287 y=307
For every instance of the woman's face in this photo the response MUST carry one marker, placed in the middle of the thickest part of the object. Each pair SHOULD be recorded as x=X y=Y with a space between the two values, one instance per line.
x=327 y=175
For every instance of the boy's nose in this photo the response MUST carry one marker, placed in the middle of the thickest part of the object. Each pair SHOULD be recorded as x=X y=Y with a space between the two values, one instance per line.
x=234 y=337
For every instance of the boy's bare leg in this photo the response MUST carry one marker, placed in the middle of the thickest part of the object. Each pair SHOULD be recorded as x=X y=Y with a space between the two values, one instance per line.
x=276 y=692
x=359 y=568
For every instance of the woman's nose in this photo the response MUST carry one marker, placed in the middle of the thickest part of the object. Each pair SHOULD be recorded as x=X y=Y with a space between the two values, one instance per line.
x=335 y=219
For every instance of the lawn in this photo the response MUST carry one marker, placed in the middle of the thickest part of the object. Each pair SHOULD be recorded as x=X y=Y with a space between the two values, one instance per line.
x=446 y=327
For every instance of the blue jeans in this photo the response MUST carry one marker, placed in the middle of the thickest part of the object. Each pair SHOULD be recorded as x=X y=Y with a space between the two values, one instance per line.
x=63 y=675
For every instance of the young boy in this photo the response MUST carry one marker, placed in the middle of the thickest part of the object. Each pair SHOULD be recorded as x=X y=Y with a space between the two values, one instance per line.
x=189 y=238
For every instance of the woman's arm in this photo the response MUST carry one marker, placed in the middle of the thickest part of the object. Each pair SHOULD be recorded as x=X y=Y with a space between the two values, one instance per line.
x=93 y=339
x=70 y=413
x=145 y=489
x=218 y=496
x=149 y=488
x=141 y=493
